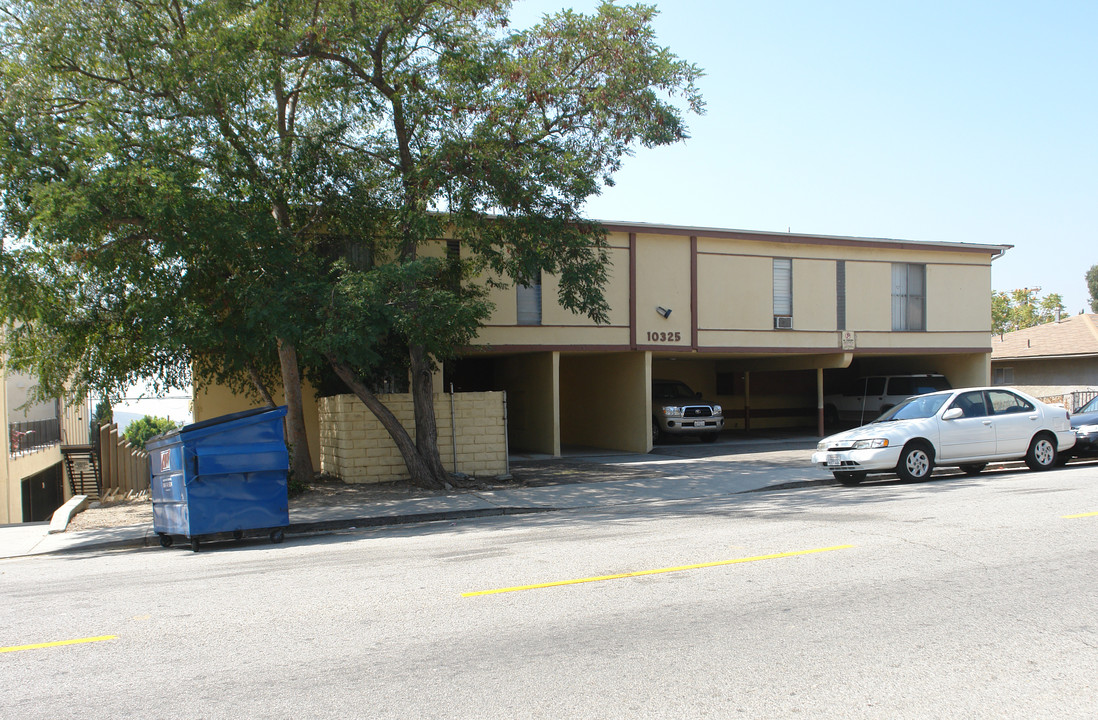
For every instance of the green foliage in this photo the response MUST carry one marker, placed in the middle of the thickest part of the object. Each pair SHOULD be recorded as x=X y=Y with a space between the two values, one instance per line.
x=181 y=178
x=1023 y=308
x=1092 y=287
x=141 y=431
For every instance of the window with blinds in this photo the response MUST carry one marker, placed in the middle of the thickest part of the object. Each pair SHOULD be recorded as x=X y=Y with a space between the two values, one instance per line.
x=908 y=297
x=529 y=303
x=783 y=294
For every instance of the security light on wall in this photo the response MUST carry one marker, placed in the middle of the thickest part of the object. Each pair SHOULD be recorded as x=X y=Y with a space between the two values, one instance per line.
x=665 y=312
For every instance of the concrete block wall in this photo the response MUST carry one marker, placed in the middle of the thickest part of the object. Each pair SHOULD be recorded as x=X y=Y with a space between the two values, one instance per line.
x=355 y=447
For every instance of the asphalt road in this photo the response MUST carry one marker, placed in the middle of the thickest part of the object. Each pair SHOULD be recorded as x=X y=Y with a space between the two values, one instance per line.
x=959 y=597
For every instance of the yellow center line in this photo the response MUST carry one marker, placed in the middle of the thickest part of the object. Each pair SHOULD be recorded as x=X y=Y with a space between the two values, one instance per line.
x=1070 y=517
x=639 y=573
x=58 y=643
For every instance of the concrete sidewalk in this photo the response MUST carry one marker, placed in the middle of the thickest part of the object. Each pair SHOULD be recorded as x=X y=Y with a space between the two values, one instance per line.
x=672 y=472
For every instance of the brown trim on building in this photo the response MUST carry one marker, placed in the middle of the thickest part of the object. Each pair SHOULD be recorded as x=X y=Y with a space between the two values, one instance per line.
x=633 y=290
x=665 y=348
x=861 y=351
x=506 y=349
x=694 y=292
x=568 y=327
x=740 y=350
x=795 y=239
x=712 y=253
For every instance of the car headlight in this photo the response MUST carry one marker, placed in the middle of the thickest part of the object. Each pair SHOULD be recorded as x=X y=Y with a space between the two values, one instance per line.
x=672 y=411
x=1087 y=429
x=871 y=443
x=822 y=446
x=717 y=410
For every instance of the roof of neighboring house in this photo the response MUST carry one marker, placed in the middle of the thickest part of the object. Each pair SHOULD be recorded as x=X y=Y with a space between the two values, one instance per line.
x=1075 y=336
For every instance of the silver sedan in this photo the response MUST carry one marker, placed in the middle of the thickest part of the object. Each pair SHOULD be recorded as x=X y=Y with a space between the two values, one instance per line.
x=965 y=428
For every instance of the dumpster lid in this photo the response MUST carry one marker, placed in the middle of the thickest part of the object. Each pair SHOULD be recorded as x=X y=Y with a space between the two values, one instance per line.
x=230 y=418
x=216 y=421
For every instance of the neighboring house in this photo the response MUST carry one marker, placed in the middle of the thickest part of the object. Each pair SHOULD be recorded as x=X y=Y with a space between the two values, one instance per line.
x=32 y=479
x=1056 y=361
x=761 y=322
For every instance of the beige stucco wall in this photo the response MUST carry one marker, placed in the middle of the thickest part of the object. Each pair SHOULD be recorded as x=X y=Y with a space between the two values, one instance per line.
x=735 y=297
x=866 y=280
x=735 y=292
x=355 y=447
x=663 y=280
x=532 y=401
x=19 y=469
x=604 y=401
x=956 y=297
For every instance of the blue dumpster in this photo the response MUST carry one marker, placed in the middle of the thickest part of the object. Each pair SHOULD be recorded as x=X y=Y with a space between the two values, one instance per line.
x=226 y=474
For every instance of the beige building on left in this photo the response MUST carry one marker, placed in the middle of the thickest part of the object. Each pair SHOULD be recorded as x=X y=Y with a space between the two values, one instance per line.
x=32 y=477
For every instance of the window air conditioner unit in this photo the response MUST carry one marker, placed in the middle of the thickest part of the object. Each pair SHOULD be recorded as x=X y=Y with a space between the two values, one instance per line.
x=783 y=322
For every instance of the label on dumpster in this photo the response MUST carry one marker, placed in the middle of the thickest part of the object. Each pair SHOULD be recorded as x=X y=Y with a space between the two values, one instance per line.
x=165 y=460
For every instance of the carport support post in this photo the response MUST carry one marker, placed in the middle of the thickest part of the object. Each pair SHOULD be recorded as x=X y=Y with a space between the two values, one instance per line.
x=820 y=401
x=746 y=399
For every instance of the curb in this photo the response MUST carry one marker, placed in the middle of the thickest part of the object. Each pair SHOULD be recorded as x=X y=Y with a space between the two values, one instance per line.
x=318 y=527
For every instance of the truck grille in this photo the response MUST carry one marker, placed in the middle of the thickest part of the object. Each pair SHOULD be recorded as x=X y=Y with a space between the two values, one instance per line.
x=701 y=411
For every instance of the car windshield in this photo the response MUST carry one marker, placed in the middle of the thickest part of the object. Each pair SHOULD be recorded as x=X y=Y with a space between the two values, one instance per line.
x=915 y=408
x=1091 y=406
x=671 y=390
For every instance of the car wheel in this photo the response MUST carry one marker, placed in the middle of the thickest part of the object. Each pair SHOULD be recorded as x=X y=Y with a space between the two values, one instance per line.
x=849 y=479
x=1042 y=452
x=656 y=434
x=708 y=437
x=973 y=468
x=916 y=462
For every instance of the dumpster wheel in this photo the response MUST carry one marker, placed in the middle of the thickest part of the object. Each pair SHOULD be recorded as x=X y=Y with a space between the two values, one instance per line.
x=194 y=544
x=277 y=535
x=165 y=540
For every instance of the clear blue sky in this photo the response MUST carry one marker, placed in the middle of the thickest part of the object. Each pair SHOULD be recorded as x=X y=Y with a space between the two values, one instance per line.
x=922 y=120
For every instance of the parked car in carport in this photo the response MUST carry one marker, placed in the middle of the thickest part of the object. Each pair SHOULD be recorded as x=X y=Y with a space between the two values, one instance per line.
x=679 y=411
x=1084 y=422
x=965 y=428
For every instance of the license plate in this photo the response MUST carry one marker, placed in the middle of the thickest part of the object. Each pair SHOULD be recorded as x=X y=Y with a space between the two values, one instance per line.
x=699 y=423
x=834 y=459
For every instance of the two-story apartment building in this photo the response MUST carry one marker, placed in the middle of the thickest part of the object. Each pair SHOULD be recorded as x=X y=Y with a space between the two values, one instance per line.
x=762 y=322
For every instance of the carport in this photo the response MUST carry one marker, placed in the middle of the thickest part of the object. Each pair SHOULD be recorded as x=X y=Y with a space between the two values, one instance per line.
x=603 y=399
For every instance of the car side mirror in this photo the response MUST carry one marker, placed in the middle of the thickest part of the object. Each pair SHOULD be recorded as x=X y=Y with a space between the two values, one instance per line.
x=953 y=414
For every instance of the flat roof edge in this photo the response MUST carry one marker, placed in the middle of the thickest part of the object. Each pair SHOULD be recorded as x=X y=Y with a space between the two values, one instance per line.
x=790 y=237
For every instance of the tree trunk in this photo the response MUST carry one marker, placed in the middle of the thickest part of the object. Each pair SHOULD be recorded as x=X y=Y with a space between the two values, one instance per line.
x=260 y=387
x=302 y=461
x=423 y=402
x=419 y=472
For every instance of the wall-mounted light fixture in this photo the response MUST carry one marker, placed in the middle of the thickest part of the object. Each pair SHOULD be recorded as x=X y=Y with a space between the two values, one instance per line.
x=664 y=312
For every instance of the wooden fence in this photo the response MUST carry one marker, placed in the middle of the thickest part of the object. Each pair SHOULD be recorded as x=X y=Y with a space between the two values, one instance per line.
x=123 y=468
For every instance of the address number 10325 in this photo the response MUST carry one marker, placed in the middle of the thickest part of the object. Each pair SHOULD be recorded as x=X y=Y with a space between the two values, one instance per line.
x=664 y=337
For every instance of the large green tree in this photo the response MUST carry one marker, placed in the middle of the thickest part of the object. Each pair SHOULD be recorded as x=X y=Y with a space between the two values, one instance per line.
x=1023 y=308
x=183 y=180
